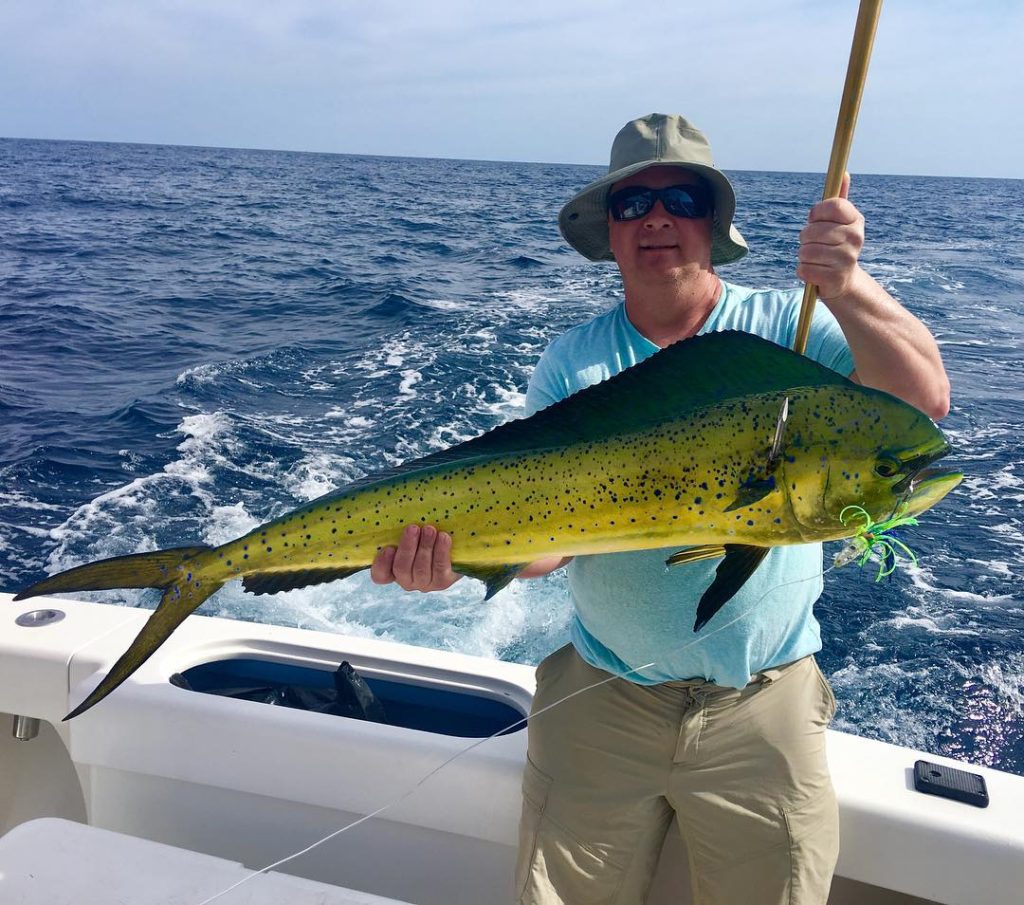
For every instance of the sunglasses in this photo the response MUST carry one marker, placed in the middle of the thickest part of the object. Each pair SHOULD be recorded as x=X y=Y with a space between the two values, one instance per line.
x=690 y=201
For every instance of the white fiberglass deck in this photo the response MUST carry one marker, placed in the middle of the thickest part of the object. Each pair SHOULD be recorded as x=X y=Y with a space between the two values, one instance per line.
x=50 y=861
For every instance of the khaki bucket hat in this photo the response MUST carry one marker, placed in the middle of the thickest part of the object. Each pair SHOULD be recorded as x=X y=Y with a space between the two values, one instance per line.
x=654 y=140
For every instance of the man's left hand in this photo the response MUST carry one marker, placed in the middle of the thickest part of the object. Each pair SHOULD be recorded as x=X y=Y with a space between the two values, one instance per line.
x=830 y=244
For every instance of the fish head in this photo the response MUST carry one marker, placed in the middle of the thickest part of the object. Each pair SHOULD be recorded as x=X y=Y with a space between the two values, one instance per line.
x=856 y=446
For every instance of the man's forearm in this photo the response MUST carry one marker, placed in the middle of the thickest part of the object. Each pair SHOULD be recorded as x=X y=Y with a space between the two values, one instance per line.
x=892 y=349
x=544 y=566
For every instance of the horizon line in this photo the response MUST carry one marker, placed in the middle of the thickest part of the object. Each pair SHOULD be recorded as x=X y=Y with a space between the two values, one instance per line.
x=164 y=144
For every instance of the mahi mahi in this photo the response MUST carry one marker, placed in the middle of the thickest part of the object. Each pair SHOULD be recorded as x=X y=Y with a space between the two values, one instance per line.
x=686 y=449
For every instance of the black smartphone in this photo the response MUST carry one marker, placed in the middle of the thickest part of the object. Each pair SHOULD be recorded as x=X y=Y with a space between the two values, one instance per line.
x=949 y=782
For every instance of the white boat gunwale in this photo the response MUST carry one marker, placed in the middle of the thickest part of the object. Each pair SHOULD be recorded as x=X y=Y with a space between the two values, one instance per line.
x=155 y=761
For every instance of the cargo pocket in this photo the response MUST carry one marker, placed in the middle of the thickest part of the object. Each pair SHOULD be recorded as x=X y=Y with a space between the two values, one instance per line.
x=813 y=830
x=536 y=786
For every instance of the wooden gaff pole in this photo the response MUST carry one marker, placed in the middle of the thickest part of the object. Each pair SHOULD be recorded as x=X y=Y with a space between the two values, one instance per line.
x=856 y=74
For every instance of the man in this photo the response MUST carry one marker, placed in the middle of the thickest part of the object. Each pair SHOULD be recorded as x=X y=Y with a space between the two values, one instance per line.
x=723 y=732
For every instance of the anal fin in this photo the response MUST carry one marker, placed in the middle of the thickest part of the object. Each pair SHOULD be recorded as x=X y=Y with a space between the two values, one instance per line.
x=273 y=582
x=494 y=575
x=741 y=560
x=695 y=554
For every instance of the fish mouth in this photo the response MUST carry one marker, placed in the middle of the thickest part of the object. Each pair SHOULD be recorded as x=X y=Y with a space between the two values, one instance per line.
x=923 y=486
x=926 y=487
x=915 y=466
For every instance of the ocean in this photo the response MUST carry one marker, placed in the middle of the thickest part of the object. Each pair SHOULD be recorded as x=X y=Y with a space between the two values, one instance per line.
x=196 y=340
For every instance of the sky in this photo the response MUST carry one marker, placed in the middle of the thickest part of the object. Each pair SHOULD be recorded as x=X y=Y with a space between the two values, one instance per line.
x=532 y=80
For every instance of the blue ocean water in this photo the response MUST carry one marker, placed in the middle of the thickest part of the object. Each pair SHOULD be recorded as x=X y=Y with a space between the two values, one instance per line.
x=196 y=340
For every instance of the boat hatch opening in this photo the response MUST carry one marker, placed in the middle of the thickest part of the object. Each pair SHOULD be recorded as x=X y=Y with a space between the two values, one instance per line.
x=410 y=704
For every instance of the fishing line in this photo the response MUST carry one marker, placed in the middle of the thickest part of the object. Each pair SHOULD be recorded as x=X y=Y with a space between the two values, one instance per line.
x=463 y=751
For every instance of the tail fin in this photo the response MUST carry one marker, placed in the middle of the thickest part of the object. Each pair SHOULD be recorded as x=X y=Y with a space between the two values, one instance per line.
x=166 y=569
x=138 y=570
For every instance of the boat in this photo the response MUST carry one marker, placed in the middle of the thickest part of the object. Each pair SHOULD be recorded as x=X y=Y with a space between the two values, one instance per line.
x=166 y=792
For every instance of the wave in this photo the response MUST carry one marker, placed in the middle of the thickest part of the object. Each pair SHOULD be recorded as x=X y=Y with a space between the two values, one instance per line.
x=395 y=308
x=524 y=262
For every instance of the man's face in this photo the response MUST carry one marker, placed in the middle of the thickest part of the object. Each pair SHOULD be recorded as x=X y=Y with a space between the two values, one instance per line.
x=659 y=246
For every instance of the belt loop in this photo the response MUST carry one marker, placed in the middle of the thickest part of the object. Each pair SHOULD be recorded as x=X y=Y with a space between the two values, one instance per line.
x=767 y=676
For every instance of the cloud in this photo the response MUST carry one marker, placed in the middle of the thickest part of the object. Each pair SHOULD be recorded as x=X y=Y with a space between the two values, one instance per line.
x=534 y=81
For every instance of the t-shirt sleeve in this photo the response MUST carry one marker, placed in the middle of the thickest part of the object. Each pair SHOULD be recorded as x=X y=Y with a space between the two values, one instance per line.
x=544 y=388
x=826 y=343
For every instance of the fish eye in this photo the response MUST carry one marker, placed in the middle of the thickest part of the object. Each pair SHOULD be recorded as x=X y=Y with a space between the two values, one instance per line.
x=887 y=468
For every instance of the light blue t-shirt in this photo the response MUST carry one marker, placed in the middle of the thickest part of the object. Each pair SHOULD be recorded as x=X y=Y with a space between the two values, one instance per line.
x=630 y=608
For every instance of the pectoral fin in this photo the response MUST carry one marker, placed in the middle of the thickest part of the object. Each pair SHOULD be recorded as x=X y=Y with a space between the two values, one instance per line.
x=753 y=491
x=732 y=573
x=494 y=575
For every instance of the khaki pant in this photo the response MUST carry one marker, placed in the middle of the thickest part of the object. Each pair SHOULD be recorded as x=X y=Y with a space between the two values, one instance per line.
x=742 y=771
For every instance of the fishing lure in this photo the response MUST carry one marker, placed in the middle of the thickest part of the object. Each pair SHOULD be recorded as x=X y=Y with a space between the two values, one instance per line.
x=874 y=538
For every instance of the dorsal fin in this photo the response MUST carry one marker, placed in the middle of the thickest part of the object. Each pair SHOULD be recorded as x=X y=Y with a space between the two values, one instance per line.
x=685 y=376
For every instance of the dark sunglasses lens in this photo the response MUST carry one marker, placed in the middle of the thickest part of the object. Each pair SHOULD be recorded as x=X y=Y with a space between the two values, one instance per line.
x=685 y=201
x=631 y=203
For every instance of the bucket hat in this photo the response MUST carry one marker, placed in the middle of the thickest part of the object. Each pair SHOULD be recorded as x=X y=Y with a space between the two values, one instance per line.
x=657 y=139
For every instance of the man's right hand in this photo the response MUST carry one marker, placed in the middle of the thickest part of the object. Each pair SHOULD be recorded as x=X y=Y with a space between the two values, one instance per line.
x=422 y=561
